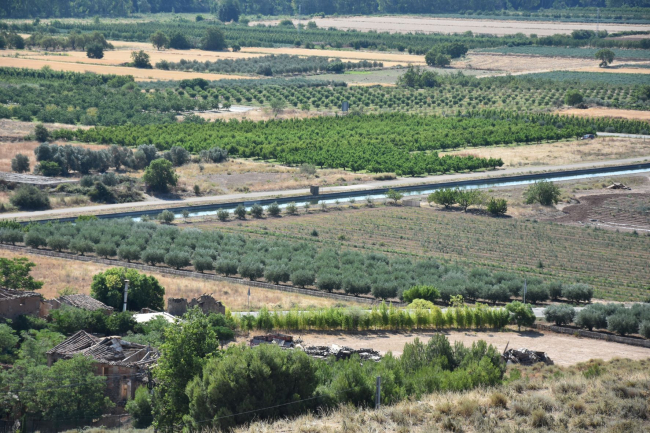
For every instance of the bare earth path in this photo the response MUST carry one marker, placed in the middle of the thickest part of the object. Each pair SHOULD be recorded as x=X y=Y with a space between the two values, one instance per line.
x=563 y=349
x=155 y=202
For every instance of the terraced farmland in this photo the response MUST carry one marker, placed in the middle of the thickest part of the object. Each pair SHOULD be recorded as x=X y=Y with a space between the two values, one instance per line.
x=616 y=264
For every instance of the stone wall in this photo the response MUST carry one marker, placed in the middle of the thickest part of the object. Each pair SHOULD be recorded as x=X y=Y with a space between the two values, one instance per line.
x=13 y=307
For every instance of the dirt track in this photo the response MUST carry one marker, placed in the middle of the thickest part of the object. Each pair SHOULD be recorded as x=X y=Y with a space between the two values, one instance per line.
x=563 y=349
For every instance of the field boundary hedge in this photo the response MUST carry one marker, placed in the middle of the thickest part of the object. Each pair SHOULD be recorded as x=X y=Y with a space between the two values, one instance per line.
x=593 y=335
x=193 y=274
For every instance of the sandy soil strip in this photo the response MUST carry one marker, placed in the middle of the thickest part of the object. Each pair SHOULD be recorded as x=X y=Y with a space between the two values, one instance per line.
x=406 y=24
x=379 y=56
x=563 y=349
x=607 y=112
x=138 y=74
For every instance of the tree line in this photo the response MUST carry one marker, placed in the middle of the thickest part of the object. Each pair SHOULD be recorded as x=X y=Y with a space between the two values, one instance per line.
x=76 y=8
x=301 y=264
x=271 y=65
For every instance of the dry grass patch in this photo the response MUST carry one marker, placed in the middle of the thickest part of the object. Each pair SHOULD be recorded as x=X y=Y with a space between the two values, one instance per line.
x=541 y=410
x=615 y=113
x=243 y=175
x=60 y=274
x=564 y=152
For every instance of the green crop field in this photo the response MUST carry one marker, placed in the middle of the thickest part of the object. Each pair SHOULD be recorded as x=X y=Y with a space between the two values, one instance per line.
x=579 y=78
x=616 y=264
x=567 y=52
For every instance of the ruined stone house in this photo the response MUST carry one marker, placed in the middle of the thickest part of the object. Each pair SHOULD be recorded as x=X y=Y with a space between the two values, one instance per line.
x=124 y=364
x=84 y=302
x=206 y=302
x=14 y=303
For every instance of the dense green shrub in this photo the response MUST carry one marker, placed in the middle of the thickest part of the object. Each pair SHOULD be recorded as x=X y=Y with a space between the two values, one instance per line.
x=28 y=197
x=428 y=293
x=578 y=292
x=144 y=291
x=543 y=192
x=20 y=163
x=622 y=323
x=497 y=206
x=521 y=314
x=559 y=314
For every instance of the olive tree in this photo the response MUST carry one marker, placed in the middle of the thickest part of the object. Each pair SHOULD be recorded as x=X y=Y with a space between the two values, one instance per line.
x=559 y=314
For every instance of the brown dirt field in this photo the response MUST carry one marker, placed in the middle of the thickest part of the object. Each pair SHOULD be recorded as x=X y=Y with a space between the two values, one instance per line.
x=521 y=64
x=563 y=349
x=259 y=114
x=615 y=210
x=406 y=24
x=59 y=274
x=59 y=64
x=236 y=175
x=563 y=152
x=607 y=112
x=19 y=129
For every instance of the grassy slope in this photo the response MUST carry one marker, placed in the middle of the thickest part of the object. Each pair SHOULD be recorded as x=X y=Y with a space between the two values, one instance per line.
x=612 y=397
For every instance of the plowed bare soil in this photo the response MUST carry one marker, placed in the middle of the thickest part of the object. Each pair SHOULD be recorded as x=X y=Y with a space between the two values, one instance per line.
x=619 y=210
x=407 y=24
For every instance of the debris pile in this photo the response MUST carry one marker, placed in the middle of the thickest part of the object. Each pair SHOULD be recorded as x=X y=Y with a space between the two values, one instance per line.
x=284 y=341
x=618 y=186
x=341 y=352
x=525 y=357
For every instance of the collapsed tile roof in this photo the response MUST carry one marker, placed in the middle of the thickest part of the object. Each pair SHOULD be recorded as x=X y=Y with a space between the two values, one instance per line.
x=84 y=301
x=106 y=350
x=16 y=294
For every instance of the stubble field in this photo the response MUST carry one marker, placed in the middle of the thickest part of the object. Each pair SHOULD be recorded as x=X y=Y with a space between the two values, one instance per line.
x=406 y=24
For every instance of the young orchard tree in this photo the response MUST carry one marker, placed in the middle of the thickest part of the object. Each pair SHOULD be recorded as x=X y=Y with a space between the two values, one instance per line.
x=445 y=197
x=521 y=314
x=393 y=195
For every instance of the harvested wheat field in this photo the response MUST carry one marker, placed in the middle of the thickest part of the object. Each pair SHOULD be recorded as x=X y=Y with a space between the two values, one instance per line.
x=60 y=274
x=563 y=349
x=59 y=64
x=389 y=58
x=563 y=152
x=615 y=113
x=408 y=24
x=521 y=64
x=122 y=55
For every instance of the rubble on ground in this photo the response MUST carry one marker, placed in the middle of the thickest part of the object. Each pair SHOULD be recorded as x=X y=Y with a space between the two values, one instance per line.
x=284 y=341
x=618 y=186
x=341 y=352
x=318 y=352
x=525 y=357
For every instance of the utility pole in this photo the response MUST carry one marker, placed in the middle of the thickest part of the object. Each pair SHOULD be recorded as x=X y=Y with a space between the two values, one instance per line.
x=598 y=22
x=525 y=289
x=299 y=13
x=378 y=393
x=126 y=294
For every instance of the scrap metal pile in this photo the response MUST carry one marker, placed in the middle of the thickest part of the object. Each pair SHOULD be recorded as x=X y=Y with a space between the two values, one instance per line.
x=341 y=352
x=525 y=357
x=319 y=352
